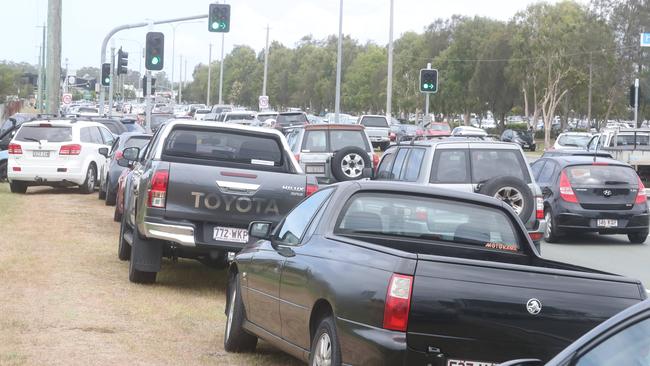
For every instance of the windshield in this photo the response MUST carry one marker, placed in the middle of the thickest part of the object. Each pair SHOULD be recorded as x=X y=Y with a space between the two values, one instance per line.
x=417 y=217
x=374 y=122
x=439 y=127
x=46 y=133
x=159 y=119
x=574 y=140
x=601 y=175
x=286 y=119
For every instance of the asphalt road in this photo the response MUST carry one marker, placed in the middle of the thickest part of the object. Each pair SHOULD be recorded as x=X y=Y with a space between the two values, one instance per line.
x=610 y=253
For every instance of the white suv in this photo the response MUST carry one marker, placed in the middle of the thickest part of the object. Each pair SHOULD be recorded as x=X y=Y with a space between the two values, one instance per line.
x=57 y=153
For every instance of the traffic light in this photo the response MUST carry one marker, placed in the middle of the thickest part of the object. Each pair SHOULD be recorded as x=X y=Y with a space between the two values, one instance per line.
x=106 y=74
x=219 y=18
x=122 y=61
x=428 y=80
x=144 y=86
x=155 y=51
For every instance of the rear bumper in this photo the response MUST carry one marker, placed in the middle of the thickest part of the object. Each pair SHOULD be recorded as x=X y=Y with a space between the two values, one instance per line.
x=365 y=345
x=578 y=219
x=44 y=175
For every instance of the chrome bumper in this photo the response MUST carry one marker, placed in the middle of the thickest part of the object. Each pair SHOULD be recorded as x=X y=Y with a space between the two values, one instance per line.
x=183 y=235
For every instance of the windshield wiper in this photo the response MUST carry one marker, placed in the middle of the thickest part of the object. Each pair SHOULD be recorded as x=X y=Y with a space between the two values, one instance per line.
x=613 y=182
x=31 y=139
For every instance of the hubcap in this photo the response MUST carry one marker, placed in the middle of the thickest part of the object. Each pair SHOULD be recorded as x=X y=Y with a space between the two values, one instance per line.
x=548 y=231
x=323 y=355
x=91 y=178
x=231 y=310
x=352 y=165
x=512 y=197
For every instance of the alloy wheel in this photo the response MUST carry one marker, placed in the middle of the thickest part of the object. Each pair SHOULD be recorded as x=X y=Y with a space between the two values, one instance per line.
x=323 y=356
x=352 y=165
x=512 y=197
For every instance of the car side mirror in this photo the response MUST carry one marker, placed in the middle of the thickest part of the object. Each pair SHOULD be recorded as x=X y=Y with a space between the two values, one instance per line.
x=103 y=151
x=523 y=362
x=368 y=173
x=131 y=154
x=259 y=229
x=13 y=122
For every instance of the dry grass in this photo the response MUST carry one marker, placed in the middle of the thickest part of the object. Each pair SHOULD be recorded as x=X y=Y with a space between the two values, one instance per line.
x=65 y=298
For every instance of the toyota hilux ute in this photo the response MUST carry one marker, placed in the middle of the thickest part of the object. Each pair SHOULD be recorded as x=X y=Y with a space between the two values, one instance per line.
x=377 y=129
x=198 y=186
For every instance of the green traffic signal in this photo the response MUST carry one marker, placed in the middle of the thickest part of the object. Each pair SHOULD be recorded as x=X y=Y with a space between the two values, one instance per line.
x=155 y=51
x=219 y=18
x=155 y=61
x=215 y=25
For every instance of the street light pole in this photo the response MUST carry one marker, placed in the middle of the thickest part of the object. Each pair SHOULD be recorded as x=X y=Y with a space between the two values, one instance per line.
x=223 y=38
x=180 y=82
x=209 y=74
x=339 y=51
x=389 y=79
x=53 y=55
x=266 y=60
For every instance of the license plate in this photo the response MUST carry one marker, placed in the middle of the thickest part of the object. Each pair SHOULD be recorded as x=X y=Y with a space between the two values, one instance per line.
x=230 y=234
x=469 y=363
x=314 y=169
x=607 y=223
x=41 y=154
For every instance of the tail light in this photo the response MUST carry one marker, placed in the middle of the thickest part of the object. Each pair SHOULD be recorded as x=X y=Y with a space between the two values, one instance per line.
x=158 y=190
x=74 y=149
x=15 y=149
x=398 y=302
x=119 y=155
x=566 y=192
x=536 y=236
x=641 y=196
x=375 y=160
x=311 y=189
x=539 y=208
x=17 y=169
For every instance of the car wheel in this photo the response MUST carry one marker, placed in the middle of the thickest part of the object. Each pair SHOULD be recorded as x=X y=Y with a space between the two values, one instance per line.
x=551 y=234
x=18 y=187
x=111 y=194
x=124 y=248
x=236 y=339
x=3 y=171
x=136 y=275
x=102 y=192
x=88 y=185
x=513 y=191
x=348 y=163
x=325 y=348
x=638 y=238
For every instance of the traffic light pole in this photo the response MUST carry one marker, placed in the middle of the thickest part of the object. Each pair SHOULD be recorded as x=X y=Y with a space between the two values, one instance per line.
x=110 y=87
x=426 y=103
x=131 y=26
x=636 y=102
x=147 y=114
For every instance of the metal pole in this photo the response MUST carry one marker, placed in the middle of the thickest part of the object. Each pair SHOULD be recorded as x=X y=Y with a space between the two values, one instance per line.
x=589 y=97
x=389 y=79
x=209 y=73
x=636 y=102
x=339 y=51
x=426 y=103
x=173 y=56
x=53 y=55
x=185 y=72
x=223 y=38
x=39 y=92
x=110 y=85
x=266 y=60
x=180 y=81
x=148 y=106
x=65 y=82
x=131 y=26
x=41 y=101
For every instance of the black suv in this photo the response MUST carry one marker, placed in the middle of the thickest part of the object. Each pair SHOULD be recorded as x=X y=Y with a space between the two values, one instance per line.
x=525 y=139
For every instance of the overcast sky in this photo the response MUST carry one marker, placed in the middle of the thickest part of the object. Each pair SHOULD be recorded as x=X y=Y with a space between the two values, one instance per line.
x=86 y=22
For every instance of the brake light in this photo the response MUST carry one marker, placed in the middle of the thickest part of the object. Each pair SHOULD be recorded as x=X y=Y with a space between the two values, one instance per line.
x=398 y=302
x=536 y=236
x=44 y=125
x=375 y=160
x=119 y=155
x=17 y=169
x=158 y=190
x=599 y=163
x=310 y=189
x=74 y=149
x=566 y=192
x=15 y=149
x=539 y=208
x=641 y=197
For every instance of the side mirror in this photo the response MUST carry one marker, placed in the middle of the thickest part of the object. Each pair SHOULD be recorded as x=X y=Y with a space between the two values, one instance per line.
x=259 y=229
x=131 y=154
x=523 y=362
x=13 y=122
x=103 y=151
x=368 y=173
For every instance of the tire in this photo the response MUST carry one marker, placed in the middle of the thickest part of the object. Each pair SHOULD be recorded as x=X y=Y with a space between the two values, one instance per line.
x=551 y=234
x=88 y=186
x=123 y=248
x=349 y=162
x=235 y=338
x=514 y=192
x=638 y=237
x=111 y=195
x=102 y=193
x=136 y=275
x=117 y=216
x=18 y=187
x=3 y=171
x=320 y=352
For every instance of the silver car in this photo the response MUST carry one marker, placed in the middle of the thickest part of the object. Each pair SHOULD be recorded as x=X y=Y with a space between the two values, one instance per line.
x=377 y=129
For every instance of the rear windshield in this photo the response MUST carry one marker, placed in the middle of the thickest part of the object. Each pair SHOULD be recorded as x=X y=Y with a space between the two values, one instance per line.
x=137 y=141
x=113 y=127
x=488 y=164
x=316 y=141
x=50 y=134
x=87 y=110
x=246 y=117
x=601 y=175
x=291 y=119
x=133 y=127
x=575 y=141
x=374 y=122
x=235 y=147
x=407 y=216
x=157 y=120
x=440 y=128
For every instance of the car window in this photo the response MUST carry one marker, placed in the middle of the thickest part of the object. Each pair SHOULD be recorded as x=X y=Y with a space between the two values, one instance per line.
x=425 y=218
x=85 y=135
x=630 y=346
x=450 y=166
x=578 y=140
x=413 y=165
x=399 y=162
x=95 y=136
x=137 y=141
x=47 y=133
x=107 y=136
x=383 y=172
x=592 y=143
x=374 y=122
x=548 y=173
x=292 y=139
x=286 y=119
x=340 y=139
x=295 y=224
x=601 y=175
x=113 y=127
x=492 y=163
x=536 y=168
x=315 y=141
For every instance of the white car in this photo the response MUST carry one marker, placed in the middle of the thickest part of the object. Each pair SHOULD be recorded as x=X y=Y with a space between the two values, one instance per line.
x=57 y=153
x=572 y=140
x=468 y=131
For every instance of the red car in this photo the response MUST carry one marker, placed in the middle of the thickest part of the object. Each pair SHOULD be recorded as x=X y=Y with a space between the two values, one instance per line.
x=438 y=129
x=119 y=203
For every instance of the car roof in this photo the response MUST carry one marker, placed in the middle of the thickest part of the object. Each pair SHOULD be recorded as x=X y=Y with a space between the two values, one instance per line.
x=62 y=123
x=334 y=126
x=232 y=126
x=565 y=160
x=576 y=133
x=467 y=140
x=293 y=112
